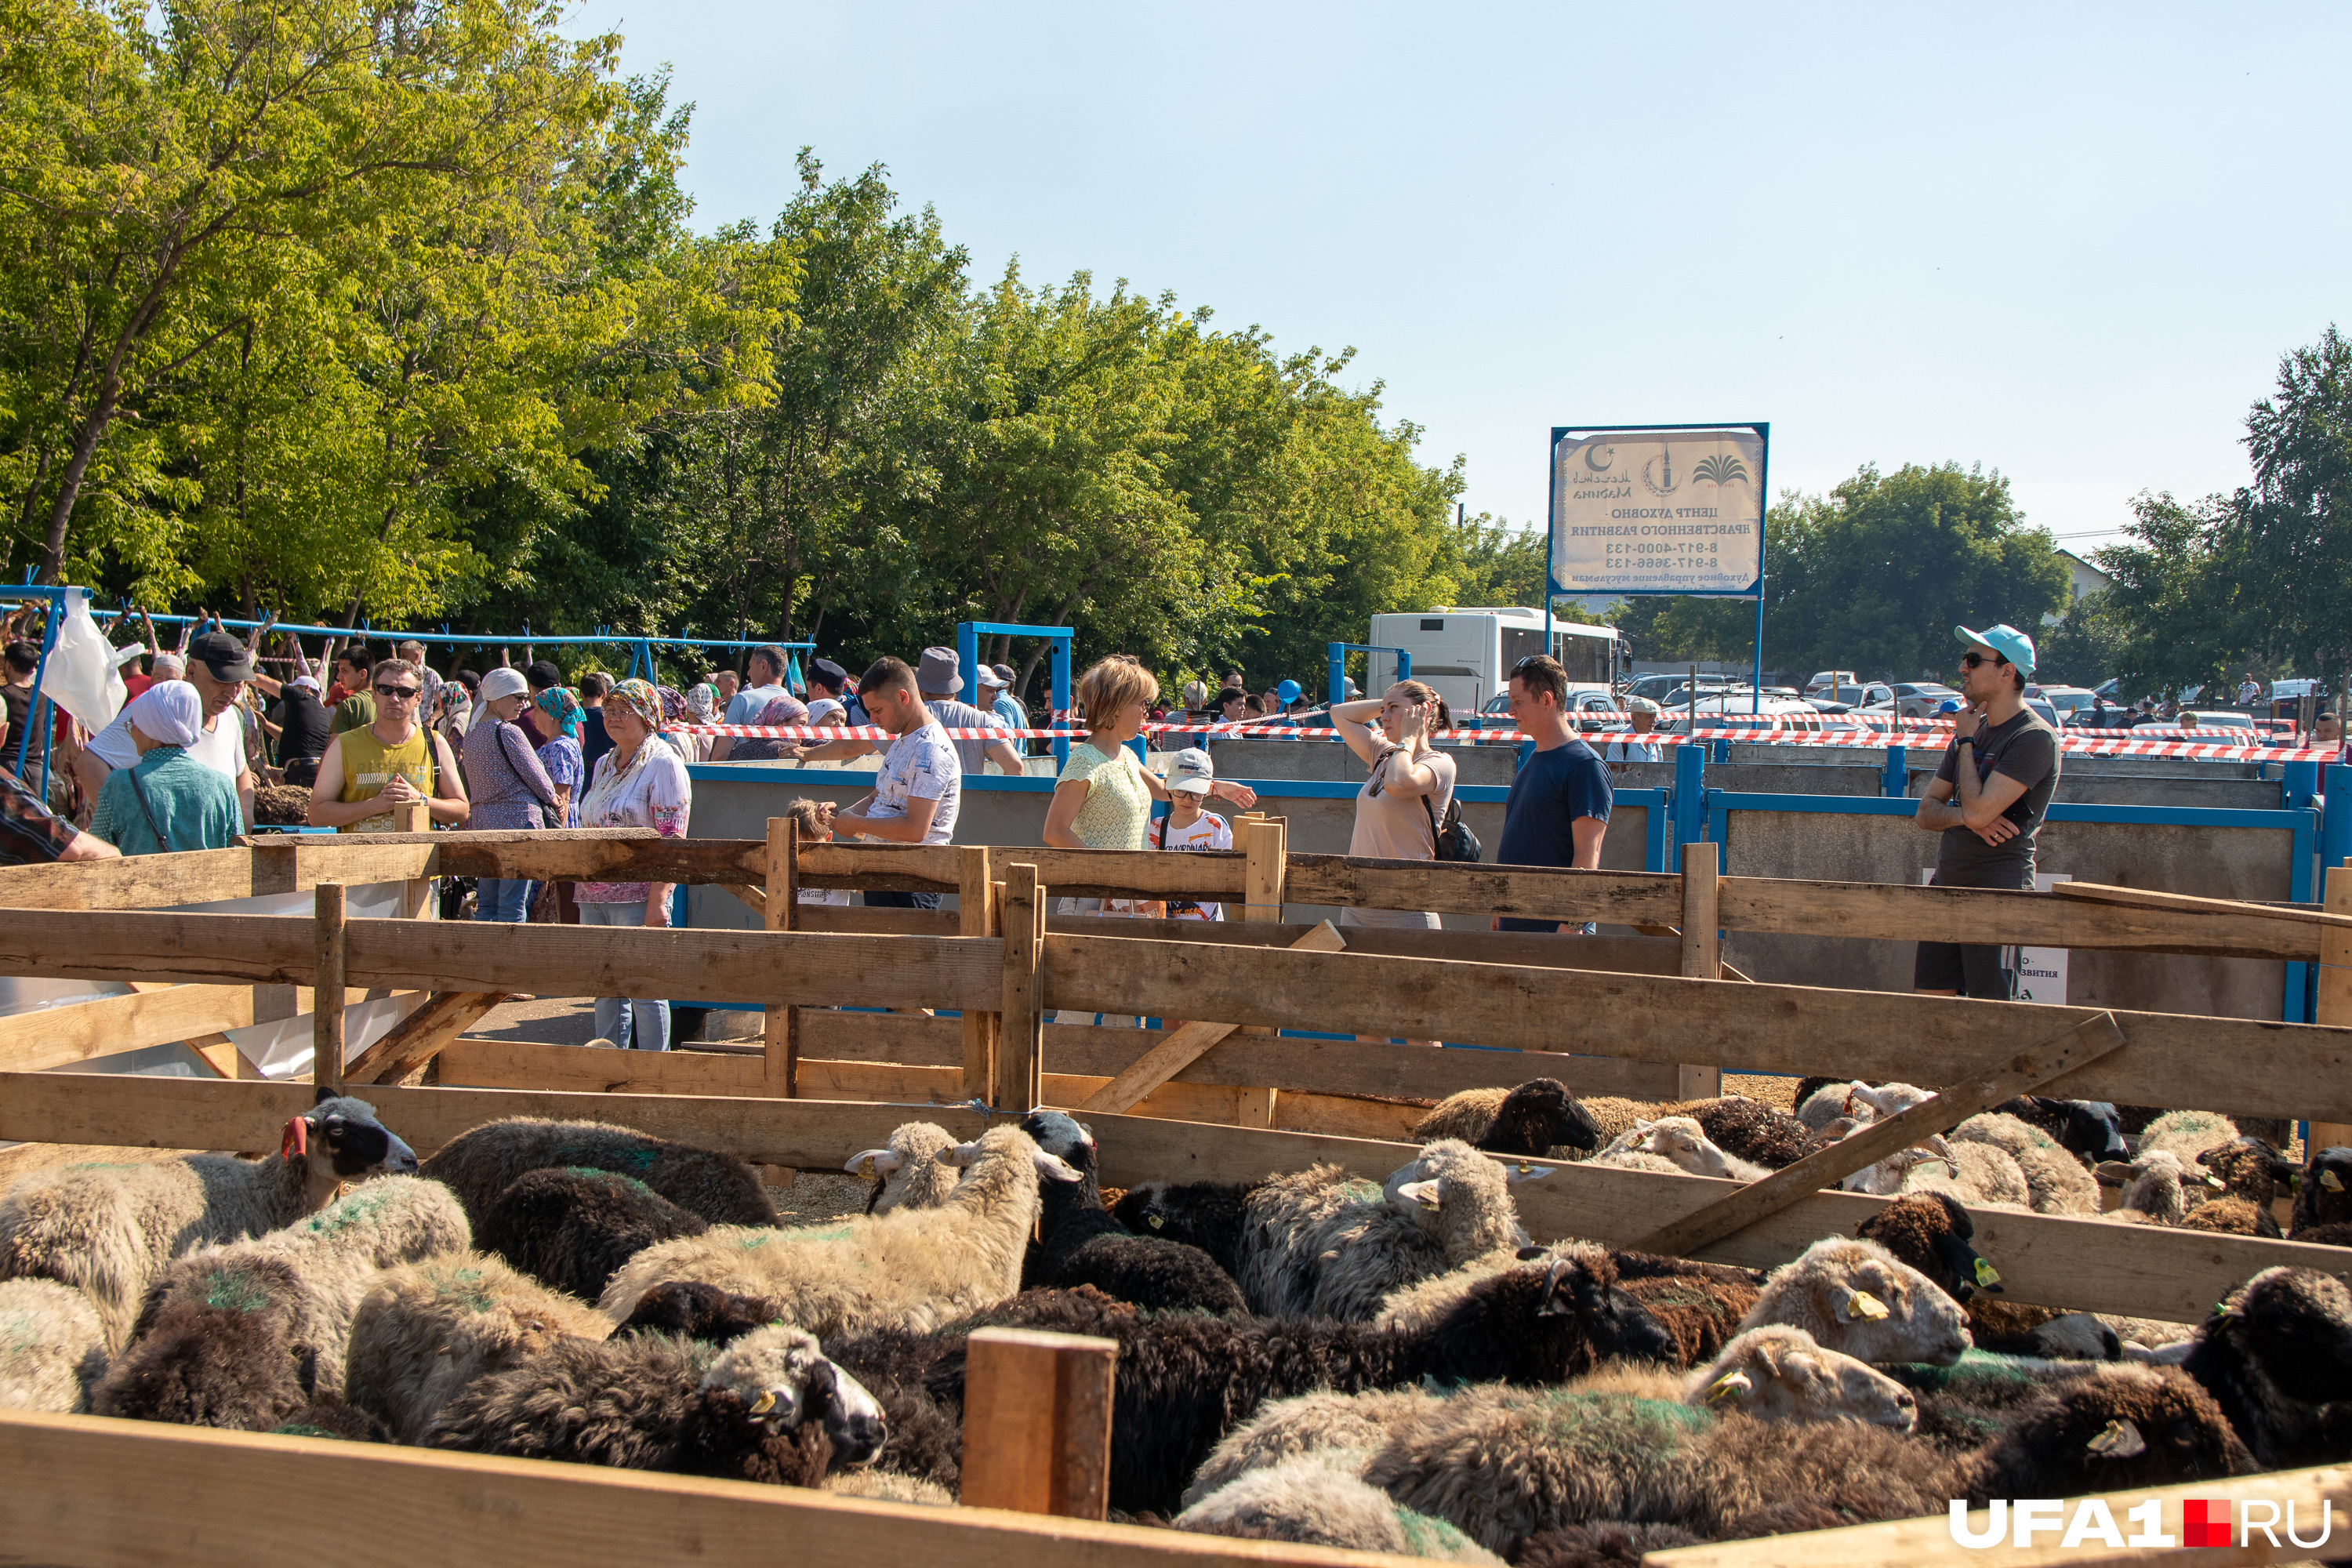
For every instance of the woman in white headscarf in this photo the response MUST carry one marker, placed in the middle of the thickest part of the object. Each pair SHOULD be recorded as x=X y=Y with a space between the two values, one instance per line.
x=166 y=800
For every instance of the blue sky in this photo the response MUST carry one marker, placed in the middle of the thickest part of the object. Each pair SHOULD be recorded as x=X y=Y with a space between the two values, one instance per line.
x=2069 y=243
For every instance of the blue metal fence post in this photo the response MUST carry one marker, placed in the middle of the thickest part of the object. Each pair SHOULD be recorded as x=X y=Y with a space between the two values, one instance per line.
x=1337 y=687
x=1896 y=781
x=968 y=655
x=1061 y=695
x=1690 y=797
x=2301 y=783
x=2336 y=823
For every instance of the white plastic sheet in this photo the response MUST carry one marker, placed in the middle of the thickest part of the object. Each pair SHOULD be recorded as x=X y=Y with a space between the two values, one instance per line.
x=79 y=674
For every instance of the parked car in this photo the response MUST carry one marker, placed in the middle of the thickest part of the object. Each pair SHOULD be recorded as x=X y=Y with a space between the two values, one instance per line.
x=1853 y=694
x=2215 y=719
x=1920 y=698
x=2068 y=701
x=1582 y=698
x=2043 y=710
x=1657 y=687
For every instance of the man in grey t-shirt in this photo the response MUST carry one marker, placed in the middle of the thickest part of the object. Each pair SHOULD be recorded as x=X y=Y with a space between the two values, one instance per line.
x=1988 y=801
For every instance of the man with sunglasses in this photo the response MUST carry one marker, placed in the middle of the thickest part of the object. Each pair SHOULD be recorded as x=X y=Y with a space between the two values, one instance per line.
x=1557 y=813
x=1988 y=800
x=396 y=760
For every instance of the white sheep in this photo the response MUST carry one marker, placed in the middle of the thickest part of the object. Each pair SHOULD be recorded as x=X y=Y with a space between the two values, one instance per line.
x=1887 y=1099
x=1856 y=1296
x=912 y=1269
x=2056 y=1181
x=1778 y=1372
x=2156 y=1187
x=108 y=1230
x=2185 y=1134
x=1830 y=1102
x=52 y=1347
x=912 y=1172
x=1309 y=1503
x=1680 y=1140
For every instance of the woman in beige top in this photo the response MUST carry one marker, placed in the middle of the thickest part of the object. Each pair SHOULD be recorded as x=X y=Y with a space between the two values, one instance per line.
x=1412 y=783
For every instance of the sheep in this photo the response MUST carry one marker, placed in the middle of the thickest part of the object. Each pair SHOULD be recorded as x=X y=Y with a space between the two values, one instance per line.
x=108 y=1230
x=1885 y=1099
x=1635 y=1159
x=1318 y=1426
x=1979 y=1174
x=916 y=1269
x=480 y=1164
x=2185 y=1134
x=911 y=1173
x=1700 y=1305
x=2252 y=1170
x=1753 y=1130
x=2228 y=1216
x=1932 y=1233
x=573 y=1226
x=1681 y=1140
x=202 y=1353
x=1211 y=1215
x=1081 y=1243
x=2056 y=1182
x=2276 y=1354
x=1533 y=1119
x=425 y=1331
x=1817 y=1106
x=1303 y=1501
x=768 y=1407
x=52 y=1347
x=343 y=1423
x=2155 y=1183
x=2089 y=1130
x=1855 y=1297
x=2325 y=1193
x=1615 y=1116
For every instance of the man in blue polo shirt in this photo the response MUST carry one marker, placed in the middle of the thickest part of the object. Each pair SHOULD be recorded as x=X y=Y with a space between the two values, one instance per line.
x=1557 y=813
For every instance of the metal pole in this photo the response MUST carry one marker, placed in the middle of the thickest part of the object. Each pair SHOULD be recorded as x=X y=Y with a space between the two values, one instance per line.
x=1551 y=525
x=1763 y=509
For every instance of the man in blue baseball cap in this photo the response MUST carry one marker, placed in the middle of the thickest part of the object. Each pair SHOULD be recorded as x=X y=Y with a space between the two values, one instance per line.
x=1988 y=801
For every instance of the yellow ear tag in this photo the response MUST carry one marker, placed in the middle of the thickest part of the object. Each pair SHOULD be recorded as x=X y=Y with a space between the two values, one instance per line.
x=2120 y=1440
x=2331 y=1181
x=1987 y=1275
x=1726 y=1387
x=1154 y=1221
x=765 y=1403
x=1862 y=1304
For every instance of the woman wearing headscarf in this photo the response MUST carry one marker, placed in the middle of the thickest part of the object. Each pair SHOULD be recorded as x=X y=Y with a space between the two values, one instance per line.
x=508 y=784
x=167 y=800
x=640 y=783
x=558 y=712
x=702 y=708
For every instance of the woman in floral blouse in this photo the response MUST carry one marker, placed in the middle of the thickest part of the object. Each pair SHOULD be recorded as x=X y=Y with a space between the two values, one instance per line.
x=640 y=783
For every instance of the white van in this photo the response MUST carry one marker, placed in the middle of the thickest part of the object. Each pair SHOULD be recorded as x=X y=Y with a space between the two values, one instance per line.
x=1466 y=654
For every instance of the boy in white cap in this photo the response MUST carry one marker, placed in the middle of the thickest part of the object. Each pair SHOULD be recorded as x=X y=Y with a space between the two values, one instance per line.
x=1187 y=826
x=1987 y=801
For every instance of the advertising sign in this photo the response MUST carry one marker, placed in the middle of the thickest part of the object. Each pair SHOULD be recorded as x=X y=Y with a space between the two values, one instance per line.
x=1670 y=510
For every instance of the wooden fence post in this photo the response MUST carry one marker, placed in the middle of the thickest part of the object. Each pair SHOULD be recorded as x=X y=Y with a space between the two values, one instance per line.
x=1265 y=840
x=2334 y=1004
x=976 y=898
x=1702 y=952
x=1021 y=1039
x=1036 y=1422
x=327 y=991
x=779 y=1029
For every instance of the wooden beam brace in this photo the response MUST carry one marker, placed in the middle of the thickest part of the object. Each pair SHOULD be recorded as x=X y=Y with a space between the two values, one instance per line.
x=750 y=898
x=2001 y=1079
x=779 y=910
x=977 y=914
x=1021 y=1041
x=1181 y=1048
x=326 y=1018
x=2335 y=985
x=1036 y=1422
x=419 y=1037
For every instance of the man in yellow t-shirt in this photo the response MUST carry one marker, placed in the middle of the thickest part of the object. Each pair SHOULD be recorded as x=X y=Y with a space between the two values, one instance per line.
x=396 y=760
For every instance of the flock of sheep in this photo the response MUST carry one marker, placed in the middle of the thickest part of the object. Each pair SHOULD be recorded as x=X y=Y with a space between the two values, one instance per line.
x=1311 y=1357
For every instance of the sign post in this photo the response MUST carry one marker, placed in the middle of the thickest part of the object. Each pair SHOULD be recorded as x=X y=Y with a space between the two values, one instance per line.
x=1659 y=509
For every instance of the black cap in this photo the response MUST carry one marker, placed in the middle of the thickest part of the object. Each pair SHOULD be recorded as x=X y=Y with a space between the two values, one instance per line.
x=824 y=672
x=223 y=654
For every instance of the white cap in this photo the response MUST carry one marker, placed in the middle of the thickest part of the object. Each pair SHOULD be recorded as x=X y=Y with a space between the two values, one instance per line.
x=1190 y=769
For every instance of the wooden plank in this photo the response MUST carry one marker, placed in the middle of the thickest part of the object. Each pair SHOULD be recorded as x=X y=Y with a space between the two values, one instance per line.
x=1080 y=873
x=201 y=949
x=2324 y=1492
x=977 y=915
x=1702 y=951
x=201 y=876
x=202 y=1498
x=1036 y=1422
x=2149 y=899
x=579 y=854
x=781 y=912
x=2236 y=1066
x=2335 y=987
x=1181 y=1048
x=327 y=1023
x=52 y=1036
x=1265 y=846
x=752 y=899
x=422 y=1035
x=1020 y=1048
x=2005 y=1078
x=1619 y=897
x=1893 y=912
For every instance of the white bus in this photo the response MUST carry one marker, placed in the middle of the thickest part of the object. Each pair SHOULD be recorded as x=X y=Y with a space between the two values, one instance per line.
x=1467 y=652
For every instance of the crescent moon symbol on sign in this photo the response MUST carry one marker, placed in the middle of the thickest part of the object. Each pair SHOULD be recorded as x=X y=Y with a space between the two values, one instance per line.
x=1590 y=460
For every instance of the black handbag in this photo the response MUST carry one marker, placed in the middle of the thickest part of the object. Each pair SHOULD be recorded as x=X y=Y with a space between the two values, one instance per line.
x=1454 y=840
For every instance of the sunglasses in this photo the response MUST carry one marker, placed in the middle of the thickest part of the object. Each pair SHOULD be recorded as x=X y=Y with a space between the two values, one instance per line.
x=405 y=693
x=1970 y=659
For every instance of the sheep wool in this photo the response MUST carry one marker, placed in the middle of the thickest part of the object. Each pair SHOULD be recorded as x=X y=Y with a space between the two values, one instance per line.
x=480 y=1164
x=425 y=1331
x=911 y=1268
x=1211 y=1215
x=1080 y=1243
x=1302 y=1500
x=2056 y=1182
x=2185 y=1134
x=2324 y=1197
x=52 y=1347
x=108 y=1230
x=1981 y=1174
x=2276 y=1355
x=1856 y=1296
x=573 y=1226
x=1681 y=1140
x=909 y=1171
x=1312 y=1426
x=1531 y=1120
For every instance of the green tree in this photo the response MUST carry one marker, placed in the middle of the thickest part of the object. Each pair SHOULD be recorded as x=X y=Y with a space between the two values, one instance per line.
x=1497 y=565
x=2183 y=611
x=2291 y=533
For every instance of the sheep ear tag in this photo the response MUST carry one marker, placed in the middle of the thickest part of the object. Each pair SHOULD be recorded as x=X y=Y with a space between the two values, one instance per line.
x=1860 y=1305
x=2331 y=1181
x=765 y=1403
x=1425 y=1193
x=1728 y=1387
x=2119 y=1440
x=1987 y=1275
x=295 y=1143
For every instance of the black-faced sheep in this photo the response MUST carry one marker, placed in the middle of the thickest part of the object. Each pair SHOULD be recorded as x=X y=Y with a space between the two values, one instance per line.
x=480 y=1164
x=2251 y=1169
x=2324 y=1195
x=1531 y=1120
x=426 y=1331
x=573 y=1226
x=769 y=1408
x=1211 y=1215
x=310 y=1277
x=1080 y=1244
x=2089 y=1130
x=1302 y=1500
x=914 y=1269
x=1856 y=1296
x=689 y=1309
x=108 y=1230
x=52 y=1347
x=908 y=1171
x=2276 y=1355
